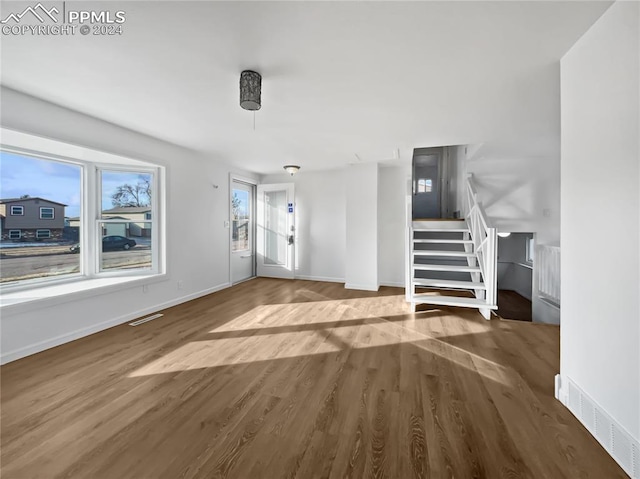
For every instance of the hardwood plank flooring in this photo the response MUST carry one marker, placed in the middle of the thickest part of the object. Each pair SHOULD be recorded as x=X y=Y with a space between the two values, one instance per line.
x=512 y=305
x=276 y=378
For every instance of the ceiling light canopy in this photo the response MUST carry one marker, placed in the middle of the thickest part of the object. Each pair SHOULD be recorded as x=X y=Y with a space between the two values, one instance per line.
x=291 y=169
x=250 y=90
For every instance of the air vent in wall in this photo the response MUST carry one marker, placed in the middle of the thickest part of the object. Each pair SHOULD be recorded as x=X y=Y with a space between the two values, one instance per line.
x=613 y=437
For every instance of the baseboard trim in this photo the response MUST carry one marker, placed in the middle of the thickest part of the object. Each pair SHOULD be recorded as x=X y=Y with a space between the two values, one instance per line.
x=616 y=440
x=363 y=287
x=96 y=328
x=392 y=284
x=320 y=278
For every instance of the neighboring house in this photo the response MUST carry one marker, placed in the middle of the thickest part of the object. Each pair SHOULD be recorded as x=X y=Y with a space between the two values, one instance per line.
x=135 y=221
x=27 y=219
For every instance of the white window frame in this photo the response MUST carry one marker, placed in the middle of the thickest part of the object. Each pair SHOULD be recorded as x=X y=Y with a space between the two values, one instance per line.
x=41 y=237
x=13 y=231
x=424 y=180
x=16 y=214
x=99 y=221
x=530 y=250
x=91 y=161
x=53 y=212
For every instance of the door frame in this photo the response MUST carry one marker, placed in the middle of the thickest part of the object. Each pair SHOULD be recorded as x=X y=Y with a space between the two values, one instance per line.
x=291 y=231
x=254 y=185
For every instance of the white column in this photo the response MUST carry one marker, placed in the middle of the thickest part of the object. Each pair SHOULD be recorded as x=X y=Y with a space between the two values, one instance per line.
x=361 y=268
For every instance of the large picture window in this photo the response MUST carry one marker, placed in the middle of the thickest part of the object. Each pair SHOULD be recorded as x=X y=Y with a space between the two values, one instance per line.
x=34 y=243
x=76 y=218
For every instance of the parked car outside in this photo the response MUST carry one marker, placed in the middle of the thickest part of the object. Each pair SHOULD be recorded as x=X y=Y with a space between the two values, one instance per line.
x=110 y=243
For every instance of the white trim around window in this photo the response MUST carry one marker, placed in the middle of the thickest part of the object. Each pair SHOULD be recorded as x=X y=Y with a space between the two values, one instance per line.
x=40 y=234
x=46 y=216
x=15 y=234
x=15 y=208
x=91 y=162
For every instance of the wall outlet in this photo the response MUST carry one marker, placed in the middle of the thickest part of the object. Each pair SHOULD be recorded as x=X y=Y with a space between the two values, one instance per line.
x=145 y=288
x=180 y=284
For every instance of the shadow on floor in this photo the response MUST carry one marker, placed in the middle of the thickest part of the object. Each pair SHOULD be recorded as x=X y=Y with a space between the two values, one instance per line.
x=512 y=305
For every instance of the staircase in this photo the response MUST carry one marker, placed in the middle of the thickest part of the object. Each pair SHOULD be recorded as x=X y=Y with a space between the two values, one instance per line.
x=453 y=262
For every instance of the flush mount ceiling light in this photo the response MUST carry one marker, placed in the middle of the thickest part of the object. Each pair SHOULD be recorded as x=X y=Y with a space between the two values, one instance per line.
x=504 y=234
x=291 y=169
x=250 y=89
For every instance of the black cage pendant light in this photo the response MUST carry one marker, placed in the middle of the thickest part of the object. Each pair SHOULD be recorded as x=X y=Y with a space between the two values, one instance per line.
x=250 y=86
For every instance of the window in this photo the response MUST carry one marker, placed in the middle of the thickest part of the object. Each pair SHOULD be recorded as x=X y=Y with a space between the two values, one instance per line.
x=424 y=185
x=531 y=250
x=110 y=201
x=46 y=213
x=240 y=210
x=29 y=176
x=125 y=222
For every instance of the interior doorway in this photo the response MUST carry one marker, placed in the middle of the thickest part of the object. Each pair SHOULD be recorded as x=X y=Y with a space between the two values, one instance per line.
x=243 y=244
x=515 y=275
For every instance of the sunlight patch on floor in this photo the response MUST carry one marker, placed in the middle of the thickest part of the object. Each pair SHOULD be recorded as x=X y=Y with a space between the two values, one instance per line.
x=296 y=330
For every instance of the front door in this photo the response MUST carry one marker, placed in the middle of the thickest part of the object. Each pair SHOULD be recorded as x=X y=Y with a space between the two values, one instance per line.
x=276 y=231
x=242 y=241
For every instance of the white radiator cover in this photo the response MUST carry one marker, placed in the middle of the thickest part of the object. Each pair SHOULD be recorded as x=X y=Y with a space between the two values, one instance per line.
x=609 y=433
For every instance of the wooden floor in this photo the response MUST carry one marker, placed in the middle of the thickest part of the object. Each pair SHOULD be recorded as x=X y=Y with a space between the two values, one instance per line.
x=276 y=378
x=512 y=305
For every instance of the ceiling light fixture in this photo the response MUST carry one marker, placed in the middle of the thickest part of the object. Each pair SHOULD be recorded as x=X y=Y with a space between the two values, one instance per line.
x=250 y=90
x=504 y=235
x=291 y=169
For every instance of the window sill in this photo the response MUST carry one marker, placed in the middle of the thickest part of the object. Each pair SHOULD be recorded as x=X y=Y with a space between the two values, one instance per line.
x=51 y=295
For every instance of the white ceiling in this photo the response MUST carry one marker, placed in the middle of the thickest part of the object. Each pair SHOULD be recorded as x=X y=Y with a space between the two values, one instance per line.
x=340 y=79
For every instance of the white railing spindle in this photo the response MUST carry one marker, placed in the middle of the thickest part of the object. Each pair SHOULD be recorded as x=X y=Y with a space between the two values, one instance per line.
x=485 y=244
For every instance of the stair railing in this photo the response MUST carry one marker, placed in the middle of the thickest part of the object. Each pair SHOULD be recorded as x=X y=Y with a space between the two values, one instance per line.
x=485 y=244
x=408 y=290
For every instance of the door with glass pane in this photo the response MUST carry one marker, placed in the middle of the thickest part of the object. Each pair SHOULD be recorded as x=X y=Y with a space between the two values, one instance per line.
x=276 y=231
x=242 y=231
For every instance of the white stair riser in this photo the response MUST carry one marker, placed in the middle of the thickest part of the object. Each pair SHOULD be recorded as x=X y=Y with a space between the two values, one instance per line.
x=445 y=267
x=451 y=301
x=445 y=283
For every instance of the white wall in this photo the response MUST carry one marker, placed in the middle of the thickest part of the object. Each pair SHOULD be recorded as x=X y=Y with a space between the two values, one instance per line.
x=600 y=330
x=392 y=189
x=197 y=241
x=320 y=223
x=361 y=268
x=321 y=206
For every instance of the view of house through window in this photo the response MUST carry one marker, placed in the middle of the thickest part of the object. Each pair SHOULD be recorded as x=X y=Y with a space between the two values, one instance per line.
x=240 y=210
x=38 y=198
x=125 y=226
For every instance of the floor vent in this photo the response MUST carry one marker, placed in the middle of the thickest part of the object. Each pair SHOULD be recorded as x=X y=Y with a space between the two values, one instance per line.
x=147 y=319
x=613 y=437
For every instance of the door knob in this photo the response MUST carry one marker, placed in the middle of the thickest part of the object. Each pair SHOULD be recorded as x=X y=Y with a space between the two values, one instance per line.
x=290 y=239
